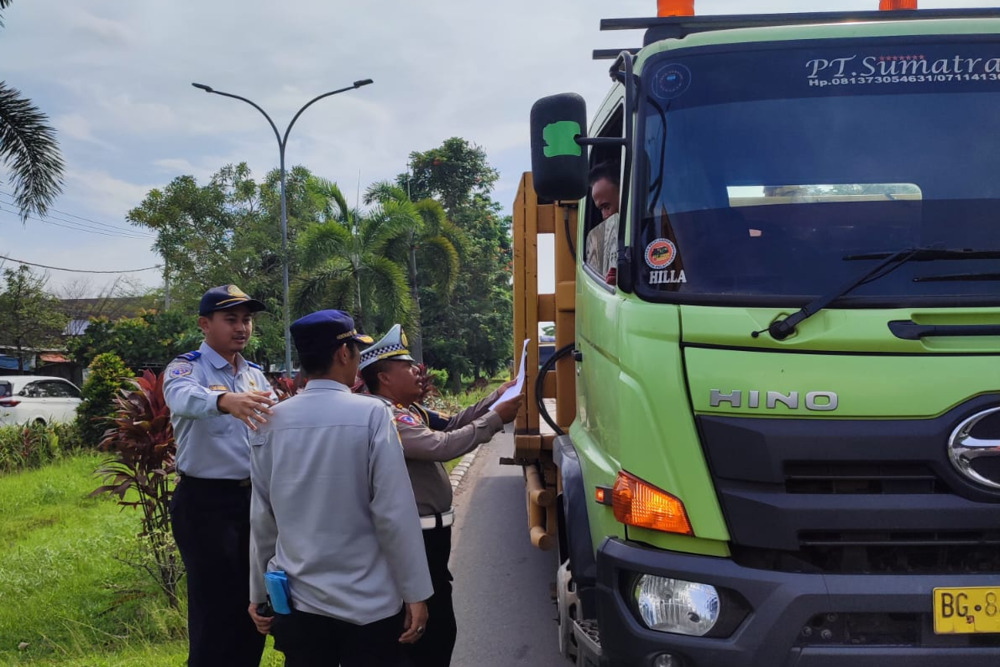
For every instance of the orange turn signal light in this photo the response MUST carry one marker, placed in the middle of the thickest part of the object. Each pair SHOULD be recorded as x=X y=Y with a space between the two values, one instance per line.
x=892 y=5
x=638 y=503
x=675 y=7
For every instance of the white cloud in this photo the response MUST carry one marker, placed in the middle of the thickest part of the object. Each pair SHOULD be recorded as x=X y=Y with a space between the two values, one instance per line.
x=76 y=126
x=102 y=32
x=175 y=165
x=103 y=193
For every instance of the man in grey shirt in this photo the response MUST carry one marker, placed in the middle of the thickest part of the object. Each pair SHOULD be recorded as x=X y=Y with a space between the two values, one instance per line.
x=333 y=508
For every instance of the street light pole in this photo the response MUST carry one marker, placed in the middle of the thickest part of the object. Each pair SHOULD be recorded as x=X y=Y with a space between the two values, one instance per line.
x=282 y=142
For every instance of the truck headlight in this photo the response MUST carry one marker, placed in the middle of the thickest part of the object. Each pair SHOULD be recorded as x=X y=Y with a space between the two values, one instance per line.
x=674 y=605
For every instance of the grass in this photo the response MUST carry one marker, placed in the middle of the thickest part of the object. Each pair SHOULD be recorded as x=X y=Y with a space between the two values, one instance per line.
x=67 y=596
x=452 y=403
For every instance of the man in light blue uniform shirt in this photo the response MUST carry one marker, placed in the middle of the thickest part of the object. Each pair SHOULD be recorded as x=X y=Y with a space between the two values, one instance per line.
x=216 y=397
x=333 y=509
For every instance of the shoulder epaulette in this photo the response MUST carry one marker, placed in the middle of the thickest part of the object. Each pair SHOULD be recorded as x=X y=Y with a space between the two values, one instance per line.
x=190 y=356
x=253 y=365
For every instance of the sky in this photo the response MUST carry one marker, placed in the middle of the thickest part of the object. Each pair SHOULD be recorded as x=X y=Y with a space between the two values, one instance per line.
x=115 y=79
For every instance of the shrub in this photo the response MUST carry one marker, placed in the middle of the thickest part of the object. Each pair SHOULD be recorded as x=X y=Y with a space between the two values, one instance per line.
x=108 y=376
x=33 y=445
x=140 y=474
x=69 y=436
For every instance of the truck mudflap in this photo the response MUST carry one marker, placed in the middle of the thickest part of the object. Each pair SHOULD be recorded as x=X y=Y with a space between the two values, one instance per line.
x=788 y=619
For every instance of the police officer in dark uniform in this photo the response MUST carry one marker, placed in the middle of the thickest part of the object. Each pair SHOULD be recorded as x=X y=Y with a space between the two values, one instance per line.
x=430 y=439
x=216 y=397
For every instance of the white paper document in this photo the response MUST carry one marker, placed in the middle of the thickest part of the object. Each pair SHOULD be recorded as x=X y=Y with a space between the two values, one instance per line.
x=519 y=383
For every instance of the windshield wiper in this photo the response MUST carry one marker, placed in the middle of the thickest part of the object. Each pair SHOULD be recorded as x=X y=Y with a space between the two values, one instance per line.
x=927 y=254
x=783 y=328
x=957 y=277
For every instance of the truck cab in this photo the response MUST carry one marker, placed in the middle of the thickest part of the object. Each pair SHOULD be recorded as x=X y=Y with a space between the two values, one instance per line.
x=785 y=448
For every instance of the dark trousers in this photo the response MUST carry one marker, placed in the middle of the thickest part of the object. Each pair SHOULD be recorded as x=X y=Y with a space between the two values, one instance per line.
x=211 y=524
x=435 y=647
x=311 y=640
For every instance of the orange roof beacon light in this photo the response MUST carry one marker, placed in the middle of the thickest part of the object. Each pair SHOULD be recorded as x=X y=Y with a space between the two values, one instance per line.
x=639 y=503
x=675 y=7
x=892 y=5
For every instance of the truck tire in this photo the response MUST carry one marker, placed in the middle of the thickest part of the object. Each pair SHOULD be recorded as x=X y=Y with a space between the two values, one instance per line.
x=570 y=609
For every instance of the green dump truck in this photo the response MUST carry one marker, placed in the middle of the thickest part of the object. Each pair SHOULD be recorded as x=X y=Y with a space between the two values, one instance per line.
x=778 y=433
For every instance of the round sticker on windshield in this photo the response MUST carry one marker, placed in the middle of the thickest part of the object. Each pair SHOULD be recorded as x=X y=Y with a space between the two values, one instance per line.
x=671 y=81
x=660 y=253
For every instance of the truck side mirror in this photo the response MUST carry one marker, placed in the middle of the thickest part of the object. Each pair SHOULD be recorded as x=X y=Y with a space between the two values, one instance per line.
x=559 y=162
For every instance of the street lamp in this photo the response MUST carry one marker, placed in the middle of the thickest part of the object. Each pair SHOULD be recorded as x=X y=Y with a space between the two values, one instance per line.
x=282 y=142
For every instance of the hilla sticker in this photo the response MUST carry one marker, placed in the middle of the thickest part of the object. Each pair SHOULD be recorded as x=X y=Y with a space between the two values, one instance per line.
x=660 y=253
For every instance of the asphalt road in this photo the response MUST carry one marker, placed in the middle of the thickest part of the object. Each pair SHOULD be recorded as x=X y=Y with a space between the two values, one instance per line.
x=503 y=600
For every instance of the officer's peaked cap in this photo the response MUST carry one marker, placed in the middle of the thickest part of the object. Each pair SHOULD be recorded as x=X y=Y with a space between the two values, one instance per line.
x=227 y=296
x=325 y=329
x=392 y=346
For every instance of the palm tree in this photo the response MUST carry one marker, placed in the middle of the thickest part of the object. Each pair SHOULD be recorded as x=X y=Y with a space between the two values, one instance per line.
x=427 y=238
x=28 y=147
x=345 y=266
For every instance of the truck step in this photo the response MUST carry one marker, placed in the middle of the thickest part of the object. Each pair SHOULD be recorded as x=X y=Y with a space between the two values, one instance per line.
x=588 y=641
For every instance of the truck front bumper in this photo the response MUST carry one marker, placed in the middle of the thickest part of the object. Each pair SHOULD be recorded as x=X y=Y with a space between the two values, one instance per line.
x=800 y=620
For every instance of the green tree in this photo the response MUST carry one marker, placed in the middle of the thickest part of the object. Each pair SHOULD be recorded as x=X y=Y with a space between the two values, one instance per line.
x=453 y=173
x=150 y=340
x=429 y=245
x=108 y=376
x=28 y=147
x=467 y=331
x=228 y=231
x=345 y=265
x=30 y=317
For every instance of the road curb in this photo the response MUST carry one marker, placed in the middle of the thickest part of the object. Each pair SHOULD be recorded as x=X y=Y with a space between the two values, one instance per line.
x=458 y=472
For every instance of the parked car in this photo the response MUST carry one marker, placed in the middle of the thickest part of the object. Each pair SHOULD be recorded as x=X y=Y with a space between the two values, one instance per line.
x=546 y=348
x=37 y=399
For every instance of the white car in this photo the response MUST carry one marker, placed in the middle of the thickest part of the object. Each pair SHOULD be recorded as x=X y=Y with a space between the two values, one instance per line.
x=37 y=399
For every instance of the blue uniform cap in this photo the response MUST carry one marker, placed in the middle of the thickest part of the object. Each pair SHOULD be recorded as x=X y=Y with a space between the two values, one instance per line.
x=325 y=329
x=227 y=296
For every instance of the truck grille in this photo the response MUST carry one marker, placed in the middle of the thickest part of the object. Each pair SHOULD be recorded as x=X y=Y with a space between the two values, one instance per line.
x=868 y=629
x=880 y=553
x=843 y=496
x=860 y=477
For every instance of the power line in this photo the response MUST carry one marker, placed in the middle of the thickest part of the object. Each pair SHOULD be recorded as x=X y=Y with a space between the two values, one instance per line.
x=102 y=228
x=59 y=268
x=79 y=217
x=77 y=227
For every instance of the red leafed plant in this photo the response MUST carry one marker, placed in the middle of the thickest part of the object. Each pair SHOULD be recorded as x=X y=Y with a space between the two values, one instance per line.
x=141 y=472
x=285 y=387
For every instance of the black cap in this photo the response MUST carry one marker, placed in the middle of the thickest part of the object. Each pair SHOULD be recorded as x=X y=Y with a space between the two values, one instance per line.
x=227 y=296
x=325 y=329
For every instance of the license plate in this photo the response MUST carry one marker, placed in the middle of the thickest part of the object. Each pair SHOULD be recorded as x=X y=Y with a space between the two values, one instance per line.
x=966 y=610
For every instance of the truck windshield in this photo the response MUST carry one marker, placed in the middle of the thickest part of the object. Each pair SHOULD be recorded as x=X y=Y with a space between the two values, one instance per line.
x=764 y=174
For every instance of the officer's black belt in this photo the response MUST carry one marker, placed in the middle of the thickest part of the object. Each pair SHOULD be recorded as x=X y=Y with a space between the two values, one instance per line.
x=223 y=483
x=438 y=520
